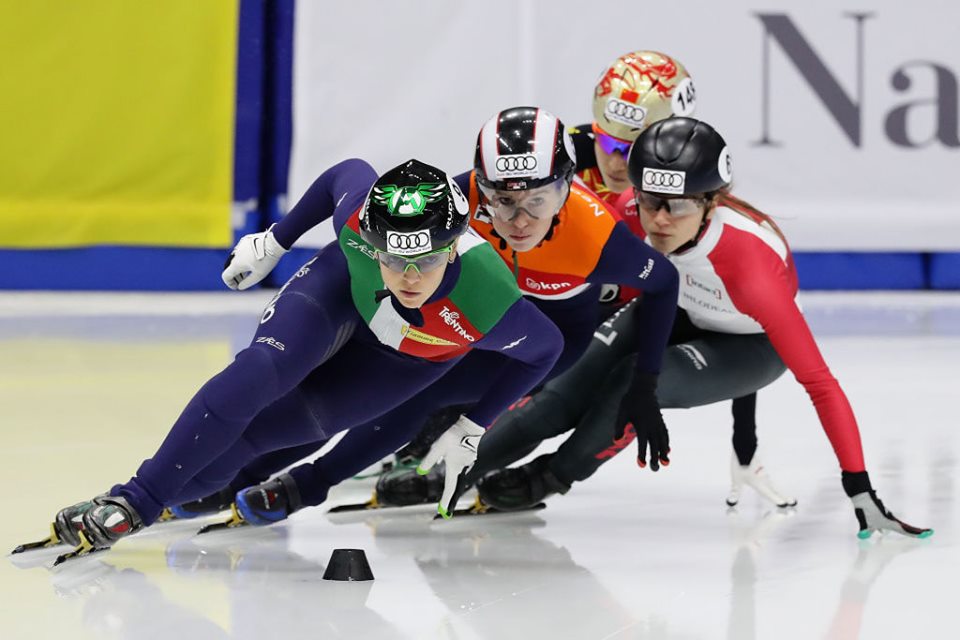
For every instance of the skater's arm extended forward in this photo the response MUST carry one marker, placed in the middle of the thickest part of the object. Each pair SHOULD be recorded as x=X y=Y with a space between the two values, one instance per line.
x=627 y=260
x=337 y=192
x=341 y=188
x=531 y=343
x=767 y=295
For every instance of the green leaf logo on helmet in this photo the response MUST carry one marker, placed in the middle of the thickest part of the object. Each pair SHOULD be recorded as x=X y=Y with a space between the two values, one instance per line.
x=410 y=200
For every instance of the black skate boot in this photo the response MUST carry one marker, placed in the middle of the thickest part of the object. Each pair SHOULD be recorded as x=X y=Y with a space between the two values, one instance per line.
x=522 y=487
x=407 y=457
x=214 y=503
x=404 y=487
x=410 y=455
x=270 y=501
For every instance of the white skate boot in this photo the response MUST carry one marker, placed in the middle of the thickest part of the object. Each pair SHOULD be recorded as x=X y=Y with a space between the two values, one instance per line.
x=755 y=476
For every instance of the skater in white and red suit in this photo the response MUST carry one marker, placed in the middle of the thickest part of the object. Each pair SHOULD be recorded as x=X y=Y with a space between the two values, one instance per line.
x=738 y=319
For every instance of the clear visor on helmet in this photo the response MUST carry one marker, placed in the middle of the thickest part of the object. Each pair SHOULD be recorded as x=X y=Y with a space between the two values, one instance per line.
x=424 y=263
x=541 y=202
x=677 y=207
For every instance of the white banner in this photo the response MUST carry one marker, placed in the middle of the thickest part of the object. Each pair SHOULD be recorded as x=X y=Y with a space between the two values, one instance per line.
x=842 y=117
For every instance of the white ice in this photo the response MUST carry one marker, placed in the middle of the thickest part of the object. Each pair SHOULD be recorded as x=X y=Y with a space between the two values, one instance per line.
x=89 y=385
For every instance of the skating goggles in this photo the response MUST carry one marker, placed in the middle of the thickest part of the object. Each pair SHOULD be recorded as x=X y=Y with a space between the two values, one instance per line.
x=542 y=202
x=676 y=207
x=424 y=263
x=611 y=145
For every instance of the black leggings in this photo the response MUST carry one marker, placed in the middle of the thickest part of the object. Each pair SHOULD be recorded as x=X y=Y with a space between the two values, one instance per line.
x=700 y=367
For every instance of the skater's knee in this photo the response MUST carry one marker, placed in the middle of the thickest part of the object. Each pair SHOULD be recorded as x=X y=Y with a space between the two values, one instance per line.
x=222 y=471
x=211 y=481
x=674 y=400
x=243 y=389
x=201 y=487
x=777 y=368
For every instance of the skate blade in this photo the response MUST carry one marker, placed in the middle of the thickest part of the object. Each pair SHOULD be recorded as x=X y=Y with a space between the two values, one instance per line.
x=50 y=541
x=367 y=476
x=166 y=516
x=480 y=508
x=779 y=501
x=234 y=521
x=375 y=474
x=84 y=549
x=372 y=503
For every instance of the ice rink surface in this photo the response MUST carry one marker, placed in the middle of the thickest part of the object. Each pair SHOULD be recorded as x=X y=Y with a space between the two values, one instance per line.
x=90 y=383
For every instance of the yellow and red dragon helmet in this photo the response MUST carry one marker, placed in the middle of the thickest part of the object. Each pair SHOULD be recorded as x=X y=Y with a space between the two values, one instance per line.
x=638 y=89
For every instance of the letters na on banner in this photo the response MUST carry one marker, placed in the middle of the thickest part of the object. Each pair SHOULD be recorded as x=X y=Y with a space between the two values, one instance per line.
x=834 y=118
x=845 y=109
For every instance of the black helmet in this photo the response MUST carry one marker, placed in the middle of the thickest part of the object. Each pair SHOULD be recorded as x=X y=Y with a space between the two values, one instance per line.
x=679 y=156
x=412 y=209
x=523 y=148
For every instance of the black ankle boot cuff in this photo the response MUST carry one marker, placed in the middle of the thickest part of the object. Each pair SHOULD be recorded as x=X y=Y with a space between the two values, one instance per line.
x=294 y=503
x=855 y=482
x=554 y=483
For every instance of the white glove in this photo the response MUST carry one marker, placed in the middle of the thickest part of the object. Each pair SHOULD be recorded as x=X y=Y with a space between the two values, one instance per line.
x=252 y=260
x=458 y=448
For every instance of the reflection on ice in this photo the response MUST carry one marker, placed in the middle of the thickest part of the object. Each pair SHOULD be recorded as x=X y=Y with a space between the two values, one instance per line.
x=625 y=555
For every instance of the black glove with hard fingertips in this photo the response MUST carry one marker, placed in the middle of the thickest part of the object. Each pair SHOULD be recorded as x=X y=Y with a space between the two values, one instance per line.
x=640 y=408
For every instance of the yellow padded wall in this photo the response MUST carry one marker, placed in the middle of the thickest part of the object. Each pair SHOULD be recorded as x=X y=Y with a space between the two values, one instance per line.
x=117 y=122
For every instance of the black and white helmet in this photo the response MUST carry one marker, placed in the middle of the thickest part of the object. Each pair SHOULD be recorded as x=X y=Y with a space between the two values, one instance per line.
x=523 y=148
x=680 y=157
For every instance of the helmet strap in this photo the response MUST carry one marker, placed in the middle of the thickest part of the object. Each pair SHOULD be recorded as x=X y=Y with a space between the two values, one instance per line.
x=503 y=243
x=692 y=242
x=553 y=224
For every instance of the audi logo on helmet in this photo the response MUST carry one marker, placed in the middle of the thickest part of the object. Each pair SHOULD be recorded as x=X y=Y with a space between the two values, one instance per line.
x=625 y=113
x=408 y=244
x=663 y=180
x=515 y=166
